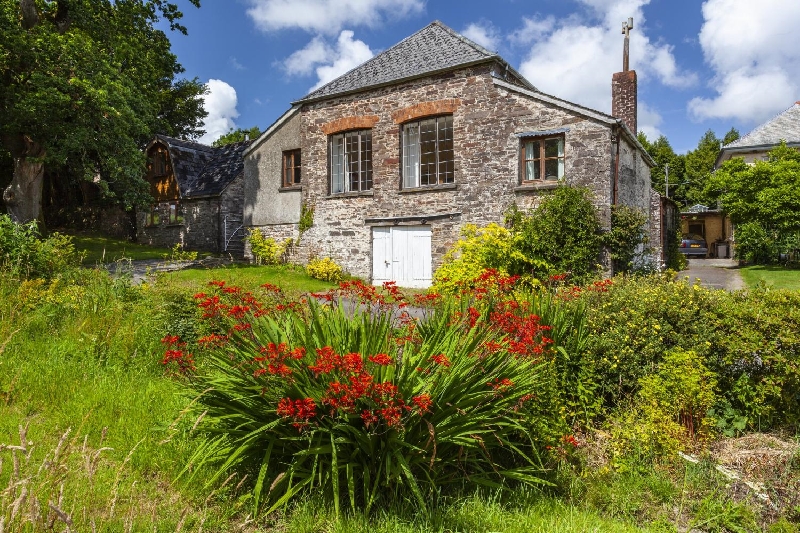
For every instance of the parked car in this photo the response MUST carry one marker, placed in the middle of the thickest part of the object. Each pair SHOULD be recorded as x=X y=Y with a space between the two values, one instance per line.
x=693 y=244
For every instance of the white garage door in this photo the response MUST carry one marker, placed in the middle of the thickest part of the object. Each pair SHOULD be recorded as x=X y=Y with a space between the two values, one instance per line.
x=402 y=254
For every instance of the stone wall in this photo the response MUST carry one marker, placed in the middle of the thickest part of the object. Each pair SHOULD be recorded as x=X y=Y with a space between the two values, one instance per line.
x=267 y=202
x=231 y=223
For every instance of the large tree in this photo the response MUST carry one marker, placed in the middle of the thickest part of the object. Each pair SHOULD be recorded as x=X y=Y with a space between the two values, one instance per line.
x=700 y=165
x=83 y=84
x=238 y=135
x=665 y=157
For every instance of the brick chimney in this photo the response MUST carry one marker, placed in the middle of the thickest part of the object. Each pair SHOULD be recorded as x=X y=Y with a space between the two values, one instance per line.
x=623 y=86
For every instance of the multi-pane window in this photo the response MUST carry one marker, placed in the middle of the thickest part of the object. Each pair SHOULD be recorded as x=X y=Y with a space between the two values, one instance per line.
x=159 y=163
x=542 y=158
x=428 y=152
x=351 y=161
x=291 y=168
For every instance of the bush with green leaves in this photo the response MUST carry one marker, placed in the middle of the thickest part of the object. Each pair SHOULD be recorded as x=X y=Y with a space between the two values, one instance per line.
x=353 y=404
x=562 y=235
x=755 y=244
x=24 y=253
x=627 y=240
x=749 y=340
x=266 y=250
x=324 y=268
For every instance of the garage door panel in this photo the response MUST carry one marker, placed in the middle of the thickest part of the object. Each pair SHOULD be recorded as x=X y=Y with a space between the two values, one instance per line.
x=402 y=254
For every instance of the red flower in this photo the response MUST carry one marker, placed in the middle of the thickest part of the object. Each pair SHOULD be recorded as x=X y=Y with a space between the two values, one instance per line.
x=369 y=417
x=217 y=283
x=423 y=403
x=381 y=359
x=441 y=360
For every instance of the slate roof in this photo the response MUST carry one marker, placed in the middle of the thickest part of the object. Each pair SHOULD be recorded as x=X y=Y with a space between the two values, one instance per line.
x=785 y=126
x=203 y=170
x=434 y=48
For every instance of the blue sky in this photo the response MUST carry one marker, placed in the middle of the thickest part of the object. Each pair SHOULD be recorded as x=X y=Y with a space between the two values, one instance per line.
x=701 y=65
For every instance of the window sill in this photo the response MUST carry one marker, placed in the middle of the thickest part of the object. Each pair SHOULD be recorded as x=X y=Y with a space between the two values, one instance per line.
x=543 y=186
x=348 y=194
x=292 y=188
x=429 y=188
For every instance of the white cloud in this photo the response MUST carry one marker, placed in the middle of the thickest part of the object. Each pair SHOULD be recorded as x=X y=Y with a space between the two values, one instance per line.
x=484 y=34
x=751 y=48
x=235 y=63
x=328 y=16
x=648 y=121
x=328 y=61
x=575 y=57
x=532 y=30
x=220 y=103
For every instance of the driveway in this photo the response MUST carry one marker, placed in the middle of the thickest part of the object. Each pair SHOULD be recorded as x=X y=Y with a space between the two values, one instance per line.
x=714 y=274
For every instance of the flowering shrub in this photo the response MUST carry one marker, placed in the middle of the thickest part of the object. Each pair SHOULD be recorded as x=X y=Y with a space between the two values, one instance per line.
x=325 y=269
x=362 y=403
x=265 y=250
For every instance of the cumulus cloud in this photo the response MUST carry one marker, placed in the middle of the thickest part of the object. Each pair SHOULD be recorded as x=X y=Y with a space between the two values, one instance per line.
x=648 y=121
x=484 y=34
x=751 y=49
x=575 y=57
x=328 y=16
x=328 y=61
x=220 y=103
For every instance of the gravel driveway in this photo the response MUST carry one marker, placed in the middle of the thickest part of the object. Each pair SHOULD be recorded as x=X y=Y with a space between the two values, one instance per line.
x=714 y=273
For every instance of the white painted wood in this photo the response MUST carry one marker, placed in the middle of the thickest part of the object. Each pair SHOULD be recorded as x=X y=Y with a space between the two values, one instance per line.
x=402 y=254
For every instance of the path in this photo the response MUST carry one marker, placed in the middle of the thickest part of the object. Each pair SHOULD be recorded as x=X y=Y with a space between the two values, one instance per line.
x=141 y=269
x=714 y=273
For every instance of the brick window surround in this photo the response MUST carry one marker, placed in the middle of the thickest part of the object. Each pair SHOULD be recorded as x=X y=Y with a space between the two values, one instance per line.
x=291 y=168
x=340 y=125
x=541 y=158
x=350 y=161
x=427 y=152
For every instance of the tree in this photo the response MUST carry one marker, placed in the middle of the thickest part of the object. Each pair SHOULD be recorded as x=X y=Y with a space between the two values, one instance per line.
x=767 y=192
x=663 y=154
x=83 y=85
x=238 y=135
x=700 y=165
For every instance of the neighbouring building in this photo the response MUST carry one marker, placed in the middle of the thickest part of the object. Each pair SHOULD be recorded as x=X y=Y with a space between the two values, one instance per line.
x=714 y=225
x=756 y=144
x=198 y=193
x=395 y=156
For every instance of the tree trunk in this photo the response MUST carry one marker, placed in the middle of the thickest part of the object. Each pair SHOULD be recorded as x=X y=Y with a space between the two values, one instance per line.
x=23 y=197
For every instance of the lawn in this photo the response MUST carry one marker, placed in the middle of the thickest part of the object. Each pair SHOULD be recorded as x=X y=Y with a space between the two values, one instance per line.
x=773 y=276
x=98 y=249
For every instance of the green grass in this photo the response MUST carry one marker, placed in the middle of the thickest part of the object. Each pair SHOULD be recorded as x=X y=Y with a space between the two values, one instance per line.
x=776 y=277
x=293 y=280
x=99 y=249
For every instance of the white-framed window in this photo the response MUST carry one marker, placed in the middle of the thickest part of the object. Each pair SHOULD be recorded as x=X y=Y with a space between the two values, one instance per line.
x=428 y=157
x=542 y=158
x=351 y=161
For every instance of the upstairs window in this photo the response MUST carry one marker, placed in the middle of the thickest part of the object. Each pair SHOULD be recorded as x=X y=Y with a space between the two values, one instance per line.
x=428 y=157
x=542 y=159
x=159 y=164
x=351 y=161
x=291 y=168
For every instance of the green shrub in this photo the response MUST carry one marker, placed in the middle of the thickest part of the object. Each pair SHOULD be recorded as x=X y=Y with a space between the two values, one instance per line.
x=325 y=269
x=25 y=254
x=478 y=249
x=627 y=240
x=750 y=341
x=755 y=244
x=668 y=414
x=265 y=250
x=562 y=235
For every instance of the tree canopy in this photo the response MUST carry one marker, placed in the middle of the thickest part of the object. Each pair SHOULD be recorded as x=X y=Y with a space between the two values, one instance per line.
x=237 y=135
x=84 y=84
x=767 y=192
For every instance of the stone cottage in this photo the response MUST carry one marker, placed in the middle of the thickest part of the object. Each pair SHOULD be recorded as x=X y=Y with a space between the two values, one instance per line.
x=395 y=156
x=197 y=195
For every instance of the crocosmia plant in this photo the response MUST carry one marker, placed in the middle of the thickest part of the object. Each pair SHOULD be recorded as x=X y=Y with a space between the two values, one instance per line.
x=346 y=394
